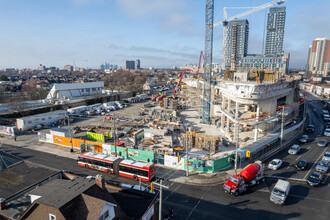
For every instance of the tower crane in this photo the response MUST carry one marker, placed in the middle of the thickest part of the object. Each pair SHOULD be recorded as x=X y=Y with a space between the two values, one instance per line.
x=209 y=13
x=248 y=12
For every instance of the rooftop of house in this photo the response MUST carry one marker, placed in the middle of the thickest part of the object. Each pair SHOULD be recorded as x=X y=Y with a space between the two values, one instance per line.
x=59 y=192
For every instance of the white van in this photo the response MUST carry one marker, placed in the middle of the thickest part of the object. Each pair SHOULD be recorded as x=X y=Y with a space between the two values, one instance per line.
x=280 y=192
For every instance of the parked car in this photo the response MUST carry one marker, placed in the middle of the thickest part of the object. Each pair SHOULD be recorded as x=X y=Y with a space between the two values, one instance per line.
x=322 y=166
x=294 y=149
x=322 y=143
x=326 y=156
x=327 y=125
x=326 y=115
x=327 y=132
x=324 y=111
x=301 y=165
x=310 y=128
x=314 y=179
x=304 y=139
x=275 y=164
x=326 y=119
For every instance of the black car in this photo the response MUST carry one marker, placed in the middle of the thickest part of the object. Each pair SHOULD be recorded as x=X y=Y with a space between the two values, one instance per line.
x=327 y=125
x=314 y=179
x=310 y=128
x=301 y=165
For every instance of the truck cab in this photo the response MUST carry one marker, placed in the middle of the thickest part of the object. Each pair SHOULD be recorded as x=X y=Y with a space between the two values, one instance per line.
x=280 y=192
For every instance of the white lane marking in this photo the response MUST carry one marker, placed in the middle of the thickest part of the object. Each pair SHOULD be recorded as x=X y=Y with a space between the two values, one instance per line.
x=298 y=157
x=172 y=192
x=288 y=167
x=289 y=178
x=325 y=180
x=308 y=148
x=315 y=163
x=199 y=202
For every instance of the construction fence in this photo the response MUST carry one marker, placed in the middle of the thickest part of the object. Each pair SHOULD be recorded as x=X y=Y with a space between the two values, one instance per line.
x=140 y=155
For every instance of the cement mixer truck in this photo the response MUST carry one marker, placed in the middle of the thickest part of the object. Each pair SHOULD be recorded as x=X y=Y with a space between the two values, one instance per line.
x=251 y=175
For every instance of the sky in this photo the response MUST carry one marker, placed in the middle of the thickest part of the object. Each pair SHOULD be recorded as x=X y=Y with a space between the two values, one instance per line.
x=161 y=33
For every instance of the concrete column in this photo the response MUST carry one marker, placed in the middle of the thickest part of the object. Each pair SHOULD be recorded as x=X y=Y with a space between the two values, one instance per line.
x=227 y=128
x=256 y=126
x=236 y=132
x=223 y=104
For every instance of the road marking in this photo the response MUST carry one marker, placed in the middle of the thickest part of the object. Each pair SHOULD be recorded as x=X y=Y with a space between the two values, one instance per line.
x=308 y=148
x=298 y=157
x=199 y=202
x=315 y=163
x=288 y=167
x=172 y=192
x=289 y=178
x=325 y=180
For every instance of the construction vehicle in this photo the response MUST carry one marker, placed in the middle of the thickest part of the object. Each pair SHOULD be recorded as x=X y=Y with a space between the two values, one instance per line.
x=251 y=175
x=199 y=63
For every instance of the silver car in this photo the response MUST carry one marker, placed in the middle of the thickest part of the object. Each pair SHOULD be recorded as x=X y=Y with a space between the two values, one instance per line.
x=326 y=156
x=326 y=132
x=294 y=149
x=322 y=166
x=322 y=143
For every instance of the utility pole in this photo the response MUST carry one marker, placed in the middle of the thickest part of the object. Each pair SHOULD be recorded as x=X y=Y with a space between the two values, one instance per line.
x=114 y=133
x=187 y=158
x=70 y=134
x=161 y=186
x=282 y=126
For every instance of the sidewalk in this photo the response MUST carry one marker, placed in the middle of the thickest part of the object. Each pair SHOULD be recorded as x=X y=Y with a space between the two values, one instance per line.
x=205 y=179
x=30 y=141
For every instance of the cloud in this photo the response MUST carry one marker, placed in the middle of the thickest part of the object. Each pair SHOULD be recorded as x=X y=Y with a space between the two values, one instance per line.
x=169 y=14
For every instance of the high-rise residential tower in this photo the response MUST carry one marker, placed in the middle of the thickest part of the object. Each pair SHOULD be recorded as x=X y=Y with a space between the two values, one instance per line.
x=137 y=64
x=235 y=43
x=318 y=57
x=129 y=65
x=275 y=31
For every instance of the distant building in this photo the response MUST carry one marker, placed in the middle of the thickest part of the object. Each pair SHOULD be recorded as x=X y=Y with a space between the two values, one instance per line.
x=75 y=90
x=318 y=57
x=68 y=68
x=129 y=65
x=108 y=66
x=275 y=31
x=41 y=67
x=235 y=42
x=137 y=64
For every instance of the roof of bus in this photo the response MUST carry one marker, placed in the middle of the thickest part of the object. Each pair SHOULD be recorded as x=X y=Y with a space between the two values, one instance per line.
x=135 y=163
x=99 y=156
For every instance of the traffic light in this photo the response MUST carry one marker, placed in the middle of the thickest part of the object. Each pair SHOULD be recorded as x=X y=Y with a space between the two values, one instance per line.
x=152 y=187
x=248 y=153
x=179 y=158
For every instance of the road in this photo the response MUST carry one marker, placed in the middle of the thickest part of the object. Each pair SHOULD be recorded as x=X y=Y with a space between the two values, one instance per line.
x=210 y=202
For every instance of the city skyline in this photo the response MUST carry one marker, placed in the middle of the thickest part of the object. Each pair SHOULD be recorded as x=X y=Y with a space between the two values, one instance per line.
x=161 y=33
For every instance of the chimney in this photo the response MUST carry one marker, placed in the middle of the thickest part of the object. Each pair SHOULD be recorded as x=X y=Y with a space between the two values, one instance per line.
x=2 y=204
x=99 y=180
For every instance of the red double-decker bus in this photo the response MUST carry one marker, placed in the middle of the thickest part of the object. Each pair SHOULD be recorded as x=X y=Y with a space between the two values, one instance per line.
x=118 y=166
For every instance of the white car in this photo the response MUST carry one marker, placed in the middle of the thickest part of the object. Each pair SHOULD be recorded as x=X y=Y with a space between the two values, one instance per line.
x=325 y=111
x=327 y=132
x=275 y=164
x=326 y=156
